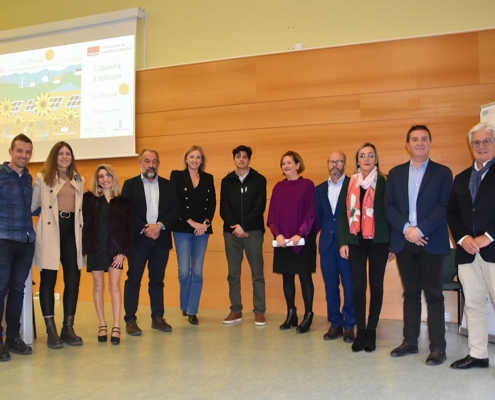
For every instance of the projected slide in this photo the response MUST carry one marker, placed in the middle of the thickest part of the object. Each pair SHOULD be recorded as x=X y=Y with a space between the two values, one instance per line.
x=77 y=91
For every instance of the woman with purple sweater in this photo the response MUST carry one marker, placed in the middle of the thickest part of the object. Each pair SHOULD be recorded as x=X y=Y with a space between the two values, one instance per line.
x=291 y=218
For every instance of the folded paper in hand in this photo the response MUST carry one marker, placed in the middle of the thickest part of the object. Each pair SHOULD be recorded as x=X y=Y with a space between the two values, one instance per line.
x=289 y=243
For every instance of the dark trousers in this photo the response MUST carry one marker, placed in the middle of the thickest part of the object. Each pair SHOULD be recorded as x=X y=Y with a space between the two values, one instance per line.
x=335 y=270
x=72 y=274
x=419 y=271
x=157 y=259
x=15 y=263
x=359 y=255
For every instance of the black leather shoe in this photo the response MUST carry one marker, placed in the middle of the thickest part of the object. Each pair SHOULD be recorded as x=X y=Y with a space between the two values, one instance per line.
x=470 y=362
x=184 y=314
x=193 y=320
x=358 y=344
x=349 y=335
x=291 y=319
x=132 y=328
x=115 y=340
x=160 y=324
x=4 y=353
x=306 y=324
x=436 y=357
x=370 y=340
x=333 y=333
x=403 y=350
x=17 y=346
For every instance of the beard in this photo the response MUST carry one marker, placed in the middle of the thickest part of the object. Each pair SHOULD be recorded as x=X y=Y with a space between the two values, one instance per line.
x=150 y=173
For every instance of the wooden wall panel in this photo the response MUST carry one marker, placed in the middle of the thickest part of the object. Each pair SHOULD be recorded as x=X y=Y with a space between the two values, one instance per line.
x=430 y=62
x=197 y=85
x=312 y=102
x=487 y=56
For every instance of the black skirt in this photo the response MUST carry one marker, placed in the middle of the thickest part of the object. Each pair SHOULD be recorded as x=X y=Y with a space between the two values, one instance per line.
x=287 y=261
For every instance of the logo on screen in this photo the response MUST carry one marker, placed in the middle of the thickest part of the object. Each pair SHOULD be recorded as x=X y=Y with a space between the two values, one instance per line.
x=94 y=51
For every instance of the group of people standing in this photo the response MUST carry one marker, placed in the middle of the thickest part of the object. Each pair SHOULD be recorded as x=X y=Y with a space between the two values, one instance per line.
x=365 y=220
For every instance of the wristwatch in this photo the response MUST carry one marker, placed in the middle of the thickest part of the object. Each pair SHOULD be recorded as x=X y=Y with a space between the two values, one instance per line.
x=162 y=227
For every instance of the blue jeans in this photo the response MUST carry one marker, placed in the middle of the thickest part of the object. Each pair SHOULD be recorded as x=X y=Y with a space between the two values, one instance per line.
x=190 y=251
x=15 y=263
x=157 y=258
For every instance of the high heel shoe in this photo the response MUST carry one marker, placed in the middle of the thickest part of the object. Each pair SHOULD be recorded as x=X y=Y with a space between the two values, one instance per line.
x=115 y=339
x=291 y=319
x=370 y=340
x=358 y=344
x=102 y=338
x=306 y=324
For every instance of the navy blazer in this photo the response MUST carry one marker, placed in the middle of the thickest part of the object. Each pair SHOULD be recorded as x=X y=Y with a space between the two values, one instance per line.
x=168 y=209
x=474 y=219
x=328 y=221
x=431 y=206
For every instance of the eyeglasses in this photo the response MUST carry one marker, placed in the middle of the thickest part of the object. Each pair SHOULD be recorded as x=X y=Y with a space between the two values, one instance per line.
x=335 y=162
x=369 y=155
x=477 y=143
x=108 y=175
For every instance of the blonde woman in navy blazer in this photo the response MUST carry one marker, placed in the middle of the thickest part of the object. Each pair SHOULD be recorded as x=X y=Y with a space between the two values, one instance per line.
x=191 y=231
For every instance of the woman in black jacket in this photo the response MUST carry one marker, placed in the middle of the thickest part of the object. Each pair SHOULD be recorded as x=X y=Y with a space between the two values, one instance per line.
x=107 y=240
x=191 y=231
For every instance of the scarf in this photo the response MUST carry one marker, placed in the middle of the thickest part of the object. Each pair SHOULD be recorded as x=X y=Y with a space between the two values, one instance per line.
x=366 y=223
x=475 y=179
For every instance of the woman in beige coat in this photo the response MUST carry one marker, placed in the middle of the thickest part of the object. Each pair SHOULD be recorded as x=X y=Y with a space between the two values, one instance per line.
x=59 y=191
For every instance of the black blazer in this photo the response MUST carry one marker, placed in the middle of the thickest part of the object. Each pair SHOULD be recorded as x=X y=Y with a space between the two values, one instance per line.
x=474 y=219
x=431 y=206
x=198 y=203
x=168 y=209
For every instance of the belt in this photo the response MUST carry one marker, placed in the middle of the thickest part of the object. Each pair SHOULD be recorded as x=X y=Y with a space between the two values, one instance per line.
x=65 y=214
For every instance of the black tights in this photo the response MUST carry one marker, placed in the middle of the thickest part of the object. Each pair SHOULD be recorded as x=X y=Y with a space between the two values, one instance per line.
x=307 y=288
x=72 y=274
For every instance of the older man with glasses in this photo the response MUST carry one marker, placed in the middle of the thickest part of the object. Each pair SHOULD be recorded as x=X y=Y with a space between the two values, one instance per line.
x=471 y=218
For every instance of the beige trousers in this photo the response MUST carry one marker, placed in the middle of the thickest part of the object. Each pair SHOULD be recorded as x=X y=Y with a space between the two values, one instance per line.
x=478 y=280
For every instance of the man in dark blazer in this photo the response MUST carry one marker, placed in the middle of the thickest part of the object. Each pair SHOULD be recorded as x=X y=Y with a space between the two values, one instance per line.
x=416 y=203
x=155 y=207
x=330 y=196
x=471 y=218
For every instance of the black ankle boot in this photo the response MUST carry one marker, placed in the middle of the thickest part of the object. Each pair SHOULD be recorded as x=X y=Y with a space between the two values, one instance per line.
x=358 y=344
x=53 y=340
x=370 y=340
x=306 y=324
x=68 y=335
x=291 y=319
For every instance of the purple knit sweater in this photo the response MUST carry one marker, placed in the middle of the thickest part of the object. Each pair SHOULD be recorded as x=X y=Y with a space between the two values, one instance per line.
x=292 y=209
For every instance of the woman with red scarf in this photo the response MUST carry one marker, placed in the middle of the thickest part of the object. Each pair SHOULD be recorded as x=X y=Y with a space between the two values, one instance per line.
x=364 y=236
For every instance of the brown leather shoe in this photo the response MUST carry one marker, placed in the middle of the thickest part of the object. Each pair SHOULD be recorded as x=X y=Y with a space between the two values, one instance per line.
x=259 y=319
x=132 y=328
x=349 y=335
x=160 y=324
x=333 y=333
x=233 y=317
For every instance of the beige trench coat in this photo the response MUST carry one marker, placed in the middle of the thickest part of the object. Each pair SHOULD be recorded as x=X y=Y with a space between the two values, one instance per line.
x=47 y=252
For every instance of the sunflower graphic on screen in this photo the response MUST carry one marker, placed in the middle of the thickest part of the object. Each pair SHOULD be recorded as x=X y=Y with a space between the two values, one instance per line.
x=56 y=123
x=18 y=122
x=6 y=108
x=31 y=125
x=43 y=105
x=70 y=117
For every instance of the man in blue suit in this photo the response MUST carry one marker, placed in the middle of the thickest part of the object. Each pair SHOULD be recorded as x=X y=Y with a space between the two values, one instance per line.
x=330 y=196
x=416 y=201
